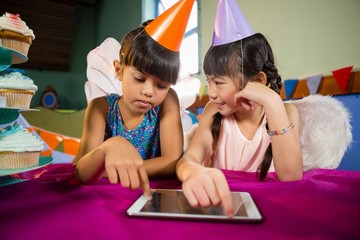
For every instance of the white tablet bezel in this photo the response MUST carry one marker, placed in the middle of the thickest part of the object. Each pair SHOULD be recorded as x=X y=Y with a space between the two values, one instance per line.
x=253 y=213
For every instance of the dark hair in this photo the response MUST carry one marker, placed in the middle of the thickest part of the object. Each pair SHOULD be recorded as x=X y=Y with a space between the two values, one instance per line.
x=139 y=50
x=250 y=55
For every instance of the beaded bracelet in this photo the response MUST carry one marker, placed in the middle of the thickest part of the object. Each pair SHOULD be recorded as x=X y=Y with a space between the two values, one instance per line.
x=280 y=132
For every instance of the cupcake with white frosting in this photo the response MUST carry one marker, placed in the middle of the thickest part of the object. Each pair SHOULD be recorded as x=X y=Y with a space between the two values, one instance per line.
x=2 y=102
x=19 y=148
x=15 y=34
x=18 y=90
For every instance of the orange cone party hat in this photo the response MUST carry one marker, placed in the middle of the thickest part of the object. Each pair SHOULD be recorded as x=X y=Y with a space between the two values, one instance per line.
x=168 y=29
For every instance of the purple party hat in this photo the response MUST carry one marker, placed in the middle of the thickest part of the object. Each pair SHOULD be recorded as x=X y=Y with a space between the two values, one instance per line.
x=230 y=24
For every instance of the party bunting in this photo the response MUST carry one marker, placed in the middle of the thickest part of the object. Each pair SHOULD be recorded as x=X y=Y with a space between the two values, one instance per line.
x=313 y=83
x=62 y=149
x=342 y=77
x=290 y=85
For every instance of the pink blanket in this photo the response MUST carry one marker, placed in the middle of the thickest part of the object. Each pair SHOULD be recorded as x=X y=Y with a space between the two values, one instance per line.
x=53 y=205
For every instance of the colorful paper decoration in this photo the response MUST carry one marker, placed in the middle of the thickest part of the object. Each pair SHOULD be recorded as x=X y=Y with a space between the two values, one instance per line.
x=313 y=83
x=47 y=153
x=290 y=85
x=61 y=148
x=230 y=24
x=342 y=77
x=50 y=138
x=71 y=145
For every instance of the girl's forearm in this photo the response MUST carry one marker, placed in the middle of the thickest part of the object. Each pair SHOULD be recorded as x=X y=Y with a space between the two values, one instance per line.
x=180 y=168
x=160 y=167
x=286 y=147
x=185 y=167
x=91 y=167
x=276 y=114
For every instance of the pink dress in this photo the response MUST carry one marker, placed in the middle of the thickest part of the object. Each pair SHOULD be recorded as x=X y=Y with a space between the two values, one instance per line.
x=235 y=152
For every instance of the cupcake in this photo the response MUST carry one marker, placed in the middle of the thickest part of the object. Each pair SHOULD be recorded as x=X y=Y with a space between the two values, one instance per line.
x=18 y=90
x=2 y=102
x=15 y=34
x=19 y=148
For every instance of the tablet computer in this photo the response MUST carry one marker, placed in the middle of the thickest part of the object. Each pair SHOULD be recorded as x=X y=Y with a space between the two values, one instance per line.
x=171 y=203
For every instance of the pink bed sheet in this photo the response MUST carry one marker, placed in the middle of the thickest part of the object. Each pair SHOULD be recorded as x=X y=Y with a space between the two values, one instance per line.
x=53 y=205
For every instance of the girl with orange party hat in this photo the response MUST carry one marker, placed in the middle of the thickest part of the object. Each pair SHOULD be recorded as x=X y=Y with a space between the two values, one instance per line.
x=127 y=137
x=245 y=126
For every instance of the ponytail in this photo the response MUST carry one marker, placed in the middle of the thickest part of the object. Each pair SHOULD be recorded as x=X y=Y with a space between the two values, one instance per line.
x=265 y=164
x=215 y=131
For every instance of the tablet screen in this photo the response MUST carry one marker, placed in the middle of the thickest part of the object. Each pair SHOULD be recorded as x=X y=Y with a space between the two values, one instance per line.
x=172 y=203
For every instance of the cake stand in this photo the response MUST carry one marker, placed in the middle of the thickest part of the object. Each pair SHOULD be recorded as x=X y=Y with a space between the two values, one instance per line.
x=9 y=115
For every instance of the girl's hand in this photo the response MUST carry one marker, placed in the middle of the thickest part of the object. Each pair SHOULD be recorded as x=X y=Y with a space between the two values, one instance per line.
x=208 y=186
x=254 y=93
x=123 y=163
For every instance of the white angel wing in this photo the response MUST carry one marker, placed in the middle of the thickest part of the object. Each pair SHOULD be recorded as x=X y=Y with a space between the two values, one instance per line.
x=325 y=131
x=93 y=91
x=100 y=71
x=187 y=87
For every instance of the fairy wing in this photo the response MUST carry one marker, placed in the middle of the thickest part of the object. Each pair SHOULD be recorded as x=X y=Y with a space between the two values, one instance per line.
x=325 y=131
x=100 y=71
x=187 y=87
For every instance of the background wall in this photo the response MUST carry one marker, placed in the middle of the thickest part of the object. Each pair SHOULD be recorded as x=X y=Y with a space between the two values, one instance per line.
x=307 y=37
x=94 y=23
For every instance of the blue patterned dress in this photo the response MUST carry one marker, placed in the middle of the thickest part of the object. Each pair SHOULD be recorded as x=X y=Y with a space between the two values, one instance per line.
x=145 y=138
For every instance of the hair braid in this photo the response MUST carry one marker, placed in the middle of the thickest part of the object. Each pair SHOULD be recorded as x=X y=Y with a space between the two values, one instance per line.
x=273 y=77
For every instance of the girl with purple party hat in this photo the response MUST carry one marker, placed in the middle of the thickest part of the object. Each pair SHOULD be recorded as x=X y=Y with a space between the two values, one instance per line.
x=245 y=126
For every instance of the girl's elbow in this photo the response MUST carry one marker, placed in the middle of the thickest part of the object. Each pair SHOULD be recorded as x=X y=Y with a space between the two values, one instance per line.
x=84 y=178
x=291 y=177
x=84 y=181
x=293 y=172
